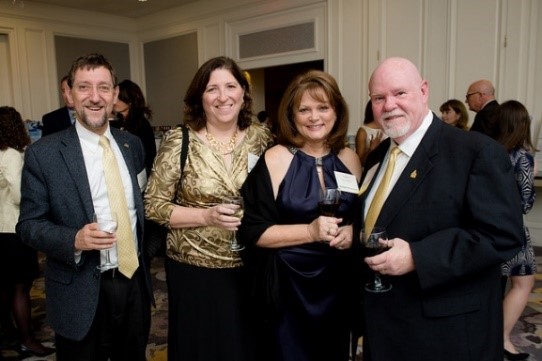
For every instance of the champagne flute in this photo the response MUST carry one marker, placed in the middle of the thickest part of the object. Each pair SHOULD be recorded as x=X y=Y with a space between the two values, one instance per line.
x=329 y=202
x=107 y=222
x=371 y=242
x=239 y=212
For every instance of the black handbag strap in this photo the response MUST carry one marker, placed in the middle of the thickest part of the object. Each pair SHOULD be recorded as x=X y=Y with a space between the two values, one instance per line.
x=184 y=146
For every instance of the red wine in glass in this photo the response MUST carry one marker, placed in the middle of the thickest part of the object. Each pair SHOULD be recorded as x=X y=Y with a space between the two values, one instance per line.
x=328 y=208
x=371 y=242
x=330 y=200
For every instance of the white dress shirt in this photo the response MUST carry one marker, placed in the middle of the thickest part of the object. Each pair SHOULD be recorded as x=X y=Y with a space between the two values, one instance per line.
x=93 y=156
x=408 y=147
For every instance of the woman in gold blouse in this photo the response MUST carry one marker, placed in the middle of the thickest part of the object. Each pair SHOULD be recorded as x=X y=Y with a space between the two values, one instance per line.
x=208 y=315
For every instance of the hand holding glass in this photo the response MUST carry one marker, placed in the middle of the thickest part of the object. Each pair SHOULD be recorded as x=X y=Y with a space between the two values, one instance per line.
x=107 y=222
x=330 y=200
x=373 y=246
x=239 y=212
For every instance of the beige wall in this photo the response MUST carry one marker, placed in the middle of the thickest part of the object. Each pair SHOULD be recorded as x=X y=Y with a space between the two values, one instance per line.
x=170 y=65
x=453 y=42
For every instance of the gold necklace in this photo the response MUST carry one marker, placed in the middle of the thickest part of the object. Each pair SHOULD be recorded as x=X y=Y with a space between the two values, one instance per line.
x=221 y=147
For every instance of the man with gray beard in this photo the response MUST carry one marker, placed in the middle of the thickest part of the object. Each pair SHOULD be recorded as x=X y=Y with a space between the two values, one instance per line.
x=452 y=214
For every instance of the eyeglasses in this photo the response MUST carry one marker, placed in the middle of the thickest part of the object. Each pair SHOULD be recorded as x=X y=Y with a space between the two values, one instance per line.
x=467 y=96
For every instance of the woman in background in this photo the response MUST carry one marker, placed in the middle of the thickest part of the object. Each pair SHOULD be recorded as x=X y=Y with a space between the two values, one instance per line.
x=313 y=262
x=369 y=135
x=513 y=126
x=209 y=316
x=134 y=116
x=19 y=262
x=454 y=113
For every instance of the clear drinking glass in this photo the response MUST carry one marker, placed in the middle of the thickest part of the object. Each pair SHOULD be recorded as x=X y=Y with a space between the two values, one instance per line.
x=239 y=212
x=329 y=202
x=373 y=247
x=107 y=222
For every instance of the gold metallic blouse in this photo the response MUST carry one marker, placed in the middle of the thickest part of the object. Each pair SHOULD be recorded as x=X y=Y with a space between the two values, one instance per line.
x=205 y=182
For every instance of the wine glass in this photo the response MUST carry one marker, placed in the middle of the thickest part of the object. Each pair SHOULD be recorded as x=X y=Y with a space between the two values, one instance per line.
x=107 y=222
x=239 y=212
x=371 y=242
x=330 y=199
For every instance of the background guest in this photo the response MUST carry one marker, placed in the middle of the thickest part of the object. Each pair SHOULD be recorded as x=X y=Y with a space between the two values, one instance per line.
x=19 y=262
x=134 y=116
x=480 y=98
x=61 y=118
x=209 y=314
x=452 y=214
x=454 y=113
x=263 y=117
x=512 y=129
x=284 y=226
x=369 y=135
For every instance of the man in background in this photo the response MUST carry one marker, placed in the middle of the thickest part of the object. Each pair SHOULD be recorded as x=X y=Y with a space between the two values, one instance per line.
x=480 y=98
x=61 y=118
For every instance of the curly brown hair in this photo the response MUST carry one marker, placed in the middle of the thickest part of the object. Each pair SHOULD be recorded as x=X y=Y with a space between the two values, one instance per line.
x=194 y=115
x=13 y=133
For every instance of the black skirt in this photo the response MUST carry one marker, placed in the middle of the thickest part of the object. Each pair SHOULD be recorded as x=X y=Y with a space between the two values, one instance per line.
x=18 y=261
x=209 y=315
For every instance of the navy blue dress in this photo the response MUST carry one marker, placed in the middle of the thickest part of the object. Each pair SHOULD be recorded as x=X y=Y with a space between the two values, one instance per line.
x=316 y=310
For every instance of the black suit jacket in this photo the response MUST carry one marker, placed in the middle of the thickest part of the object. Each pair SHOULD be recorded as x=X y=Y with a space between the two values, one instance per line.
x=457 y=205
x=483 y=120
x=55 y=121
x=56 y=202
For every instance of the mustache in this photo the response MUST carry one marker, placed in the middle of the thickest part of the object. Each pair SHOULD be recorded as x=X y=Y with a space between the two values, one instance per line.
x=387 y=115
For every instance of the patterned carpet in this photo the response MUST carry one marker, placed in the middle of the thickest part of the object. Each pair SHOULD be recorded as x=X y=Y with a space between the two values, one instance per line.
x=527 y=334
x=156 y=350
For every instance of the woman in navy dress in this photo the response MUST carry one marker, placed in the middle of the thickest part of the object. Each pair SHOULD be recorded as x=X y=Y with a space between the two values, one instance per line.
x=304 y=262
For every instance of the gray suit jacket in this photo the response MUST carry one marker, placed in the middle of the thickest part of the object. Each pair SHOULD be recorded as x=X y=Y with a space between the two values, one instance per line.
x=55 y=203
x=458 y=206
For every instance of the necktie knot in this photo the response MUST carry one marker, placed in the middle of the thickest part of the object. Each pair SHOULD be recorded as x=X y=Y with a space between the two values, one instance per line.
x=104 y=142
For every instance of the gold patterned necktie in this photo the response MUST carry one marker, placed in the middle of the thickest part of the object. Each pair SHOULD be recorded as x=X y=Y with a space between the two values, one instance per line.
x=127 y=255
x=381 y=191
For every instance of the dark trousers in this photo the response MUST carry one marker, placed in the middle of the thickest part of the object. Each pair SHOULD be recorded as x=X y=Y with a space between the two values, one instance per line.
x=121 y=326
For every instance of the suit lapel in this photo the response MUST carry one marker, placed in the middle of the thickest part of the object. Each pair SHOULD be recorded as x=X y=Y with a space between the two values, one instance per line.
x=414 y=174
x=125 y=148
x=72 y=154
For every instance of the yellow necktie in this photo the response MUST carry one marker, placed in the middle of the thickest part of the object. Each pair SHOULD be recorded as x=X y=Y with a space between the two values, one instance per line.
x=380 y=194
x=126 y=252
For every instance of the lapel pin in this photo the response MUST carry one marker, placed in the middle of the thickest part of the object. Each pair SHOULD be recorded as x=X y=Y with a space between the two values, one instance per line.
x=126 y=145
x=414 y=174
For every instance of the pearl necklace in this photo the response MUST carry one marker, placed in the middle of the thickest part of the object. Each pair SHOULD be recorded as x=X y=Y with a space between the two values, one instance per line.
x=221 y=147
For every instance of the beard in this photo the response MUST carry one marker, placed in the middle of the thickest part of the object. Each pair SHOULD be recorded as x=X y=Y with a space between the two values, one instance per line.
x=93 y=124
x=396 y=130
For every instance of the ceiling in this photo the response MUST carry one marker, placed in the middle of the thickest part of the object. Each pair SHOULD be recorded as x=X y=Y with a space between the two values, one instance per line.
x=128 y=8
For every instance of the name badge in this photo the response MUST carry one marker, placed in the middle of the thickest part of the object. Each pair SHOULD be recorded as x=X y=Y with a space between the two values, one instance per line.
x=346 y=182
x=252 y=160
x=142 y=180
